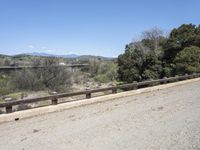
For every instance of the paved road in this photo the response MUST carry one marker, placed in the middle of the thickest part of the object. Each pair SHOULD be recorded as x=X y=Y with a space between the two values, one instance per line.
x=165 y=119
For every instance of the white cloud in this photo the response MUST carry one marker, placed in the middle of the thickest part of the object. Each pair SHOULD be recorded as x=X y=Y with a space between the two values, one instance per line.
x=43 y=47
x=31 y=46
x=49 y=50
x=70 y=52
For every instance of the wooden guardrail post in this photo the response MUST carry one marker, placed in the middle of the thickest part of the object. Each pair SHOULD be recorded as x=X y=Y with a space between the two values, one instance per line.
x=165 y=80
x=153 y=83
x=197 y=75
x=54 y=100
x=114 y=90
x=194 y=75
x=176 y=78
x=186 y=76
x=8 y=109
x=189 y=77
x=135 y=87
x=88 y=95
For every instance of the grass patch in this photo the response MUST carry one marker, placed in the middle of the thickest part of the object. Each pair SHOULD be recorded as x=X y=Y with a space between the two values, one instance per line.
x=14 y=96
x=1 y=100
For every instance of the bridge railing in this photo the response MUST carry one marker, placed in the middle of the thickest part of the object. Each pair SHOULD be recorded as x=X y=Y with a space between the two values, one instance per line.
x=14 y=68
x=88 y=93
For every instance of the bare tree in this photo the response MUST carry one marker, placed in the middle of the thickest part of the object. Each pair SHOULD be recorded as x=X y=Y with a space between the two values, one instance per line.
x=50 y=76
x=94 y=65
x=152 y=38
x=140 y=46
x=5 y=62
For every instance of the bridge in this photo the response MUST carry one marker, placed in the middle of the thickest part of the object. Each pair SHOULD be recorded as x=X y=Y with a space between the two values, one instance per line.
x=164 y=116
x=73 y=67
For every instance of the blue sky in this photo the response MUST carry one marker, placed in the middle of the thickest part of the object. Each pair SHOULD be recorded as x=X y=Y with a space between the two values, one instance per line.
x=93 y=27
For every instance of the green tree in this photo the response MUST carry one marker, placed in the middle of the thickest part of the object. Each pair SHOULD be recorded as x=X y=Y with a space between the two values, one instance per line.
x=141 y=60
x=130 y=64
x=188 y=60
x=134 y=65
x=107 y=72
x=152 y=67
x=184 y=36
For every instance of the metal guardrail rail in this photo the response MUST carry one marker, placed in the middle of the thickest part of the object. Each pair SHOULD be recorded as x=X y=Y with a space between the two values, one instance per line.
x=54 y=98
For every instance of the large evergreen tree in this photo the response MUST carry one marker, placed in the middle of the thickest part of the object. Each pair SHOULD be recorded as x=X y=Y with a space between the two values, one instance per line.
x=184 y=36
x=156 y=56
x=130 y=64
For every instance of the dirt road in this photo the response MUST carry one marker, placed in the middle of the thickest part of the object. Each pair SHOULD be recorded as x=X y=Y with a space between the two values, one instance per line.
x=165 y=119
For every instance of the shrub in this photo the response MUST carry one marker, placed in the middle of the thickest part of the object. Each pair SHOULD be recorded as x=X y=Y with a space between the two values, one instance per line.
x=49 y=77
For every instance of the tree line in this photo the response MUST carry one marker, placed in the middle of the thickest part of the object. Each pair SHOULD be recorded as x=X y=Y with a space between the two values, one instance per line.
x=51 y=78
x=157 y=55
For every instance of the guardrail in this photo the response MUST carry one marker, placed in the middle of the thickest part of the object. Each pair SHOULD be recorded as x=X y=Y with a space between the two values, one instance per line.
x=54 y=98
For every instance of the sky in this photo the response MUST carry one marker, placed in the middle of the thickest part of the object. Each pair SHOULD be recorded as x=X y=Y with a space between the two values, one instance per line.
x=95 y=27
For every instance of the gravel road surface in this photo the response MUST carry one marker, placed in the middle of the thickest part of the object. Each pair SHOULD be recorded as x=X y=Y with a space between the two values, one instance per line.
x=164 y=119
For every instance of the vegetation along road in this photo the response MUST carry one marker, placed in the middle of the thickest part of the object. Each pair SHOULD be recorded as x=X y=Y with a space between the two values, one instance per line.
x=164 y=119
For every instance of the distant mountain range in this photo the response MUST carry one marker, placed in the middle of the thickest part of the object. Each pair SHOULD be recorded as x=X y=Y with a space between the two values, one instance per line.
x=69 y=56
x=52 y=55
